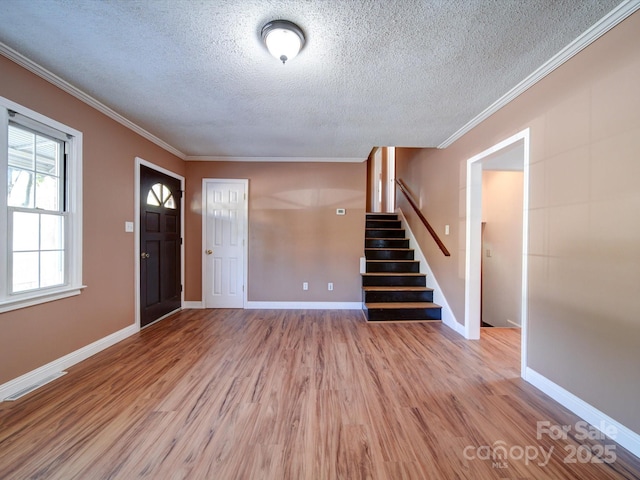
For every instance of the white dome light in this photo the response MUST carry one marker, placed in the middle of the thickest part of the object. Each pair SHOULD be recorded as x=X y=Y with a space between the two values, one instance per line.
x=283 y=39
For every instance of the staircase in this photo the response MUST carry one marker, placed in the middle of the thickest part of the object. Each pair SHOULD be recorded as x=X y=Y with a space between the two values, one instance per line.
x=393 y=289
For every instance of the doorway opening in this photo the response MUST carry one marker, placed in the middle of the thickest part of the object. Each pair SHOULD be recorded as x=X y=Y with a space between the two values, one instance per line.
x=159 y=250
x=381 y=173
x=501 y=264
x=511 y=154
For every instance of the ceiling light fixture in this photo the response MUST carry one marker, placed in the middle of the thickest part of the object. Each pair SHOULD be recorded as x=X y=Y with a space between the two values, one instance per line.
x=283 y=39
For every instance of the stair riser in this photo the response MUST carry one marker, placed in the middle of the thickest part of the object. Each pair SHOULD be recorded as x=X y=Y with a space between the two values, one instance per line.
x=395 y=267
x=389 y=254
x=381 y=297
x=383 y=224
x=387 y=314
x=383 y=233
x=381 y=216
x=386 y=243
x=393 y=281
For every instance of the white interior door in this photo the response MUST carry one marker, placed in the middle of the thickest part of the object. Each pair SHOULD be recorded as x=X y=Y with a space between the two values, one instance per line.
x=224 y=243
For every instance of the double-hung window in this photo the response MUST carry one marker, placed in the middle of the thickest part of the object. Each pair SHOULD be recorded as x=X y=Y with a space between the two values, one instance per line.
x=40 y=208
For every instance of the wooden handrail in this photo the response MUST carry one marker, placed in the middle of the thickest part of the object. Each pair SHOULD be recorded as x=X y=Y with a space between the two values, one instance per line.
x=412 y=202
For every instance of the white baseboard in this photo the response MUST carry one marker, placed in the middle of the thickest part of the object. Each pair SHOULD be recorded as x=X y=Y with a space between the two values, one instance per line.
x=41 y=373
x=253 y=305
x=196 y=305
x=451 y=322
x=625 y=437
x=448 y=318
x=513 y=324
x=304 y=305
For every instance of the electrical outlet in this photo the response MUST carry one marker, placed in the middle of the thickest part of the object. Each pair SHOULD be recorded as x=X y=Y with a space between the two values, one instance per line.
x=330 y=286
x=305 y=285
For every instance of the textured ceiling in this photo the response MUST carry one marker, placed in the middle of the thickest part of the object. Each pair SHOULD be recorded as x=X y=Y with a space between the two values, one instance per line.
x=195 y=74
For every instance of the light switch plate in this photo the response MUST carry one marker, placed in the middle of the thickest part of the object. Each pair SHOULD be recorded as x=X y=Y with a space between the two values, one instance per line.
x=128 y=227
x=341 y=211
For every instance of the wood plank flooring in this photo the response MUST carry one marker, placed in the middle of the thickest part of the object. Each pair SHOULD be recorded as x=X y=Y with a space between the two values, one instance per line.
x=264 y=394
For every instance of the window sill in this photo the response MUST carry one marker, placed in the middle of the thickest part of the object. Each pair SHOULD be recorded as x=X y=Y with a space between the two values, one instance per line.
x=39 y=298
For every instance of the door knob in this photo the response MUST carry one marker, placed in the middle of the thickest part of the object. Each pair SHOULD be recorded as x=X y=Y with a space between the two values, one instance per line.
x=144 y=255
x=209 y=252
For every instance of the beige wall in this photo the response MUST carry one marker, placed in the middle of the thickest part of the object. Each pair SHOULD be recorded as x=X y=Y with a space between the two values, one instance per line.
x=584 y=219
x=432 y=179
x=295 y=235
x=34 y=336
x=502 y=237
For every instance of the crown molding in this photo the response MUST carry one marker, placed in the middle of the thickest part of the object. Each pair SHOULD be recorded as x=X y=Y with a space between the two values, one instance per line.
x=204 y=158
x=52 y=78
x=617 y=15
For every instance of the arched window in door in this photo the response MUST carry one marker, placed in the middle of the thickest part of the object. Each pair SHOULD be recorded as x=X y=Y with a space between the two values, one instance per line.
x=161 y=196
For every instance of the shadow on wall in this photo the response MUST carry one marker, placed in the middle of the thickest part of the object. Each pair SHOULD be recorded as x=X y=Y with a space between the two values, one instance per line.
x=299 y=199
x=310 y=198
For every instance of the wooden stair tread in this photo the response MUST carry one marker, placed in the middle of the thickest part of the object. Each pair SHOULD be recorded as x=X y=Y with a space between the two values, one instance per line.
x=396 y=305
x=392 y=260
x=394 y=274
x=382 y=249
x=393 y=288
x=387 y=238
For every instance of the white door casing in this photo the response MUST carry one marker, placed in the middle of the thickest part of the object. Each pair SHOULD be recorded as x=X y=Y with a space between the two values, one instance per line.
x=474 y=240
x=224 y=242
x=138 y=162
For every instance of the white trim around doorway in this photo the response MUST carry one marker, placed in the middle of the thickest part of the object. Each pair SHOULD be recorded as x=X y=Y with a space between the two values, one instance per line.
x=136 y=230
x=245 y=238
x=474 y=240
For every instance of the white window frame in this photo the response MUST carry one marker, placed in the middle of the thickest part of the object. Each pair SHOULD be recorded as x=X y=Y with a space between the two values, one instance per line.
x=73 y=212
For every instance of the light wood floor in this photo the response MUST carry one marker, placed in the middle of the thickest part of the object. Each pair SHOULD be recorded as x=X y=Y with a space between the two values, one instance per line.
x=231 y=394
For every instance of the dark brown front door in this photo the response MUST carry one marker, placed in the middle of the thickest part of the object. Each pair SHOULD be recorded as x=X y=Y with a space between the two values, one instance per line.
x=160 y=240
